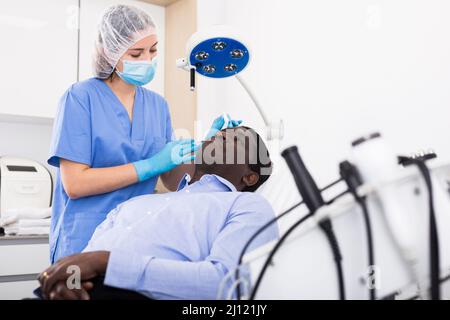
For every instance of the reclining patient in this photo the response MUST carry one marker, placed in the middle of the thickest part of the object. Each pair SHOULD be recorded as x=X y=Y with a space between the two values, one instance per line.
x=179 y=245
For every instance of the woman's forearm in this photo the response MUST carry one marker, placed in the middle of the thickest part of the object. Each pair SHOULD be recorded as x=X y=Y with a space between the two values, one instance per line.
x=81 y=181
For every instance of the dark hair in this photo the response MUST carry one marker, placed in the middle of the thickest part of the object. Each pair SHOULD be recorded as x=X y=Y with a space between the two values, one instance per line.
x=262 y=167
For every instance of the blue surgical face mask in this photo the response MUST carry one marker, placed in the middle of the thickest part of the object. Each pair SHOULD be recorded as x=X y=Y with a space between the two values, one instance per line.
x=138 y=73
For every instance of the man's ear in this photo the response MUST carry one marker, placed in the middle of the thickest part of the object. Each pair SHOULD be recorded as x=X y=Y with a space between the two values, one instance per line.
x=250 y=179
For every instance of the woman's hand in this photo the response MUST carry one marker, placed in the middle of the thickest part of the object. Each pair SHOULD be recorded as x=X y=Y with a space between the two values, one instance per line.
x=219 y=123
x=172 y=155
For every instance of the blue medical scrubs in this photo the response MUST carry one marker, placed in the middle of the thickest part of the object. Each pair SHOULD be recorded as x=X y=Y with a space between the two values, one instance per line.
x=93 y=127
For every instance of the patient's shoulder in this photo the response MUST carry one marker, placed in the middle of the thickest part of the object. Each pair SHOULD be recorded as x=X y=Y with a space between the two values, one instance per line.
x=252 y=196
x=254 y=211
x=254 y=202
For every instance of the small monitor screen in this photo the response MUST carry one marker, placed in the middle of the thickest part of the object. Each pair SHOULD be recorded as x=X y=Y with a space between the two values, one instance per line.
x=22 y=168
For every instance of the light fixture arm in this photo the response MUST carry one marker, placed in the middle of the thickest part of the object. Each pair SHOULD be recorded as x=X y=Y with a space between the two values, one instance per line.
x=255 y=100
x=275 y=129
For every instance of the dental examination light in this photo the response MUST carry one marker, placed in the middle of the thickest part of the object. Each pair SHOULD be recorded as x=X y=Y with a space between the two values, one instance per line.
x=220 y=52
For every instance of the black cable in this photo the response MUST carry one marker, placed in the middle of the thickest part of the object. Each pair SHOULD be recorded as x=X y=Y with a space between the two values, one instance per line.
x=274 y=250
x=268 y=224
x=351 y=175
x=332 y=184
x=433 y=232
x=327 y=227
x=336 y=197
x=392 y=296
x=253 y=237
x=370 y=249
x=434 y=239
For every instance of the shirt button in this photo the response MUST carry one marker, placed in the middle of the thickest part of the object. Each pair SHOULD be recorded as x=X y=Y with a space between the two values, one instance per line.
x=167 y=199
x=149 y=212
x=129 y=228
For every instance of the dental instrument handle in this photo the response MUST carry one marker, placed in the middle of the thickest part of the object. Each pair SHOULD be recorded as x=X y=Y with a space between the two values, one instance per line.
x=192 y=72
x=313 y=199
x=305 y=183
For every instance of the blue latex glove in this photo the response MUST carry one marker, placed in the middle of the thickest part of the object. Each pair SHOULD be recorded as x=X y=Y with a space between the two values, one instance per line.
x=219 y=123
x=172 y=155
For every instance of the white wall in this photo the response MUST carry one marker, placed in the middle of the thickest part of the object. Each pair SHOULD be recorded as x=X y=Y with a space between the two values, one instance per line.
x=38 y=54
x=334 y=70
x=25 y=139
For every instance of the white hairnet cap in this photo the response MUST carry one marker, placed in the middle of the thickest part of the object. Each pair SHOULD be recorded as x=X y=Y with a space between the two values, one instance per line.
x=120 y=28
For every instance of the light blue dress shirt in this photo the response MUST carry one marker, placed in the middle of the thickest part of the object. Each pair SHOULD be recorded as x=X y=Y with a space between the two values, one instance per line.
x=180 y=245
x=93 y=127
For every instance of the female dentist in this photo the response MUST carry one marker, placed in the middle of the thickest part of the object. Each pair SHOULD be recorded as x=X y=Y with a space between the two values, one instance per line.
x=112 y=138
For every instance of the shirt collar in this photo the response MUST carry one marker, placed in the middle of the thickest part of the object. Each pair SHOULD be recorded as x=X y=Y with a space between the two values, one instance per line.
x=211 y=180
x=184 y=182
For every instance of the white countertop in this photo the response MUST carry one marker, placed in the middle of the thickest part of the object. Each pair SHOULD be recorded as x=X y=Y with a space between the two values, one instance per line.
x=10 y=239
